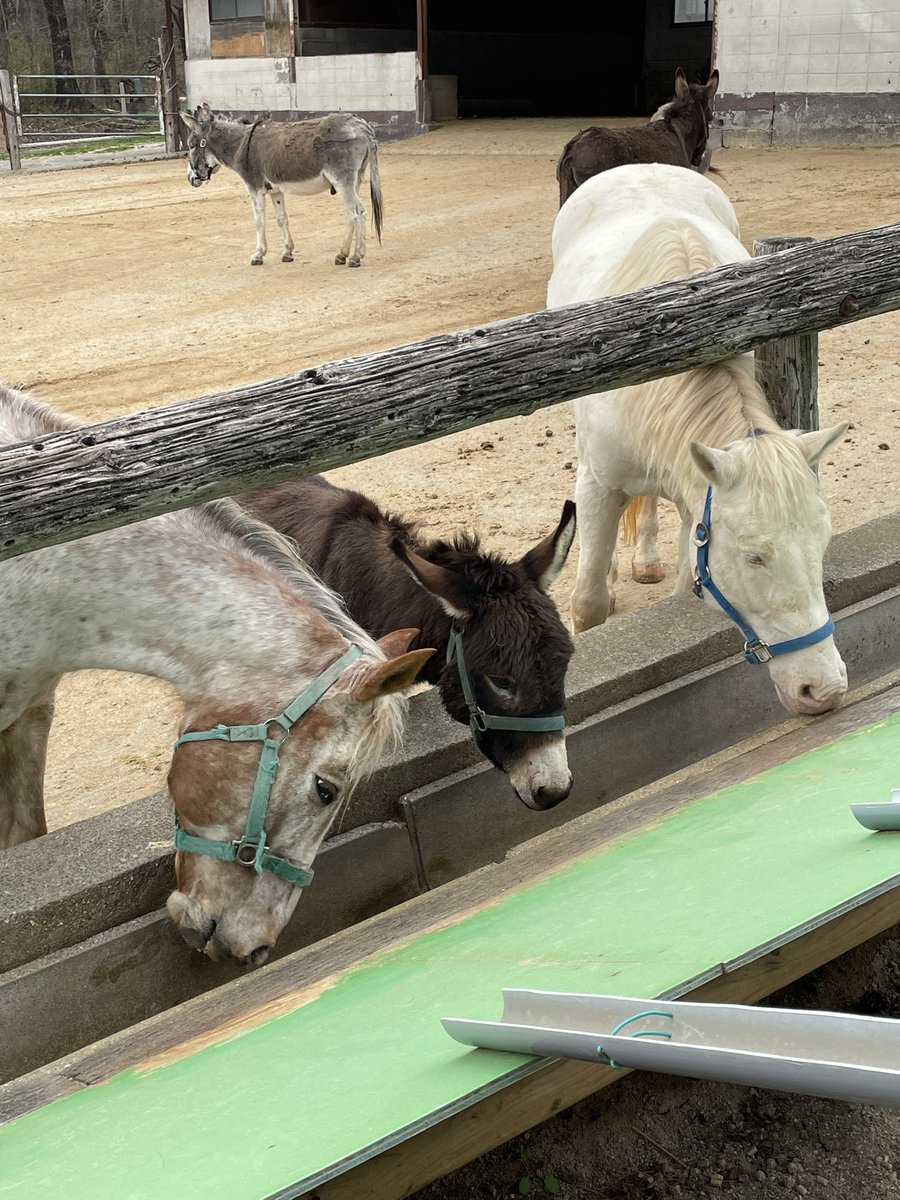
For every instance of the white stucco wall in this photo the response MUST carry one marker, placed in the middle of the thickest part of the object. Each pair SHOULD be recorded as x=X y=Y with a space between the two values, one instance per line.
x=346 y=82
x=808 y=46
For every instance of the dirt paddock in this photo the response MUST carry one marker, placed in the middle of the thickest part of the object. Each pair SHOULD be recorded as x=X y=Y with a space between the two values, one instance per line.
x=126 y=289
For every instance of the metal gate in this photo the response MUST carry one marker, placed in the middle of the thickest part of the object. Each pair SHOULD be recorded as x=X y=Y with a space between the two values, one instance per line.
x=111 y=107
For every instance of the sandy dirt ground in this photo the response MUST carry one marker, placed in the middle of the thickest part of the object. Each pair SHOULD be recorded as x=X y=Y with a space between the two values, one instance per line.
x=125 y=289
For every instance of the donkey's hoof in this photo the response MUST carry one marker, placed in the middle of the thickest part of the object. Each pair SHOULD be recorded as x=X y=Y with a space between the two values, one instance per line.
x=256 y=260
x=340 y=259
x=287 y=257
x=355 y=262
x=647 y=572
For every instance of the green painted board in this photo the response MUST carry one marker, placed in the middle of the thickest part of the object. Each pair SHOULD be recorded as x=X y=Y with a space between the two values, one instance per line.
x=367 y=1059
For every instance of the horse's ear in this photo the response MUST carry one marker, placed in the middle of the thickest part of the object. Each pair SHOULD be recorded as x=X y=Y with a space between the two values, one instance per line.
x=681 y=83
x=712 y=85
x=397 y=641
x=544 y=561
x=448 y=587
x=191 y=123
x=395 y=675
x=817 y=442
x=716 y=466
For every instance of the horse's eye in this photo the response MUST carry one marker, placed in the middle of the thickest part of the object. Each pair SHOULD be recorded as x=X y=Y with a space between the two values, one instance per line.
x=501 y=683
x=756 y=560
x=326 y=790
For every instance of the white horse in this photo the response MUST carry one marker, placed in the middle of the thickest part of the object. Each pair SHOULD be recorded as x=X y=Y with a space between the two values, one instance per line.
x=706 y=439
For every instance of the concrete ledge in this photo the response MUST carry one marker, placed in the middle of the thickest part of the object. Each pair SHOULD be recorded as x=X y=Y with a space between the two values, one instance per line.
x=111 y=869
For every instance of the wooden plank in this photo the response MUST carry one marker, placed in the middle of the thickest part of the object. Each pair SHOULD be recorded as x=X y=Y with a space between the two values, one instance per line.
x=101 y=476
x=452 y=1143
x=629 y=917
x=787 y=368
x=539 y=858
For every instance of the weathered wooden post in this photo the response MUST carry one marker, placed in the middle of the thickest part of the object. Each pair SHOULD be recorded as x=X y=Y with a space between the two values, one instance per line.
x=787 y=367
x=8 y=117
x=168 y=85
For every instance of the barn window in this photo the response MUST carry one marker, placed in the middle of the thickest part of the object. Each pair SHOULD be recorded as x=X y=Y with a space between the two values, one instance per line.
x=693 y=12
x=234 y=10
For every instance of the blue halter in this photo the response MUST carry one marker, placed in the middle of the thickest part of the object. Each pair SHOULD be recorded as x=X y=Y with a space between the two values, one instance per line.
x=479 y=720
x=755 y=649
x=251 y=849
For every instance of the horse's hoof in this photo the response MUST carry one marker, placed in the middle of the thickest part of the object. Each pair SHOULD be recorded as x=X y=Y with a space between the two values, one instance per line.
x=256 y=260
x=354 y=262
x=287 y=258
x=647 y=572
x=340 y=259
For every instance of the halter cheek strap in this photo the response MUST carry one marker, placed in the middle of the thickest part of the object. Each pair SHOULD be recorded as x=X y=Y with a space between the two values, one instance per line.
x=251 y=849
x=755 y=649
x=479 y=720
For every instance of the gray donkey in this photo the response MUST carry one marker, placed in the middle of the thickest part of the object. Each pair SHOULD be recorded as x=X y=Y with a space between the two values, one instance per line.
x=291 y=156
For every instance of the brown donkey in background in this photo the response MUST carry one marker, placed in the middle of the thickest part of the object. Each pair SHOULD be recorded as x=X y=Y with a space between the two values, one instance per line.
x=508 y=650
x=677 y=134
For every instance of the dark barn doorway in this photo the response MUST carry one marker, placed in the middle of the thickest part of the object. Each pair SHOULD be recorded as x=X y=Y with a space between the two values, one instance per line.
x=508 y=60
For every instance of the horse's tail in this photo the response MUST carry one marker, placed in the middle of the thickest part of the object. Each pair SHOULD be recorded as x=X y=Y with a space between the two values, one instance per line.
x=630 y=520
x=375 y=185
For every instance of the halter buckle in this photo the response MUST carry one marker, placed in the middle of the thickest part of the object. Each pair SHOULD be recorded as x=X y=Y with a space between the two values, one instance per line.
x=697 y=585
x=757 y=652
x=478 y=720
x=249 y=854
x=701 y=535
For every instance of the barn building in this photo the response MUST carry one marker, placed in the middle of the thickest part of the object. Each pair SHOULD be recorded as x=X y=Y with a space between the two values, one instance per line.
x=792 y=71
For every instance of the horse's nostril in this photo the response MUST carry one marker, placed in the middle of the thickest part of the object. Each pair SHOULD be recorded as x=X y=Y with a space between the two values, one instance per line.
x=547 y=797
x=258 y=956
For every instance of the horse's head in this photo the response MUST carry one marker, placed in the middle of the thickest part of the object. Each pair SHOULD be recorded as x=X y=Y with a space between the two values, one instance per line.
x=768 y=531
x=251 y=813
x=202 y=163
x=693 y=101
x=511 y=654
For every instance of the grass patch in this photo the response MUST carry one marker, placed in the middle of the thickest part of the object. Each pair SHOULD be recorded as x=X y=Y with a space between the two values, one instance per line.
x=90 y=146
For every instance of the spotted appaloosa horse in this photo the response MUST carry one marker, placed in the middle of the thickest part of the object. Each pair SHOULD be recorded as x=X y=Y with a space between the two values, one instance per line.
x=286 y=699
x=504 y=673
x=302 y=157
x=706 y=439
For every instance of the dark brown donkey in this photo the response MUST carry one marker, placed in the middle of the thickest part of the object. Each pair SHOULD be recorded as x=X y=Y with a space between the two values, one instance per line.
x=677 y=134
x=508 y=650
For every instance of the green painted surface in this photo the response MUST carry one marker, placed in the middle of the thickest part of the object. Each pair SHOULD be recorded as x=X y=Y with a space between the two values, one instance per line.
x=244 y=1118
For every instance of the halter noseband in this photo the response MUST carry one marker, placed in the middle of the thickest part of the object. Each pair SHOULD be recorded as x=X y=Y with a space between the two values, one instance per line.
x=755 y=649
x=479 y=720
x=251 y=849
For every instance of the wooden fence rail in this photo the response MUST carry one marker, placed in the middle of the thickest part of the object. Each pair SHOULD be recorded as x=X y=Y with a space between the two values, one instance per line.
x=77 y=483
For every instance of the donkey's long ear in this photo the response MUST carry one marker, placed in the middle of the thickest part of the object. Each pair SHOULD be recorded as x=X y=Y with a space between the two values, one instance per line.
x=191 y=123
x=395 y=675
x=817 y=442
x=449 y=588
x=544 y=561
x=681 y=83
x=712 y=85
x=716 y=466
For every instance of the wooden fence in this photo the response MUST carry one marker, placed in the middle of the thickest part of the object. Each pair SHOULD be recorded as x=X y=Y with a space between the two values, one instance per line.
x=101 y=476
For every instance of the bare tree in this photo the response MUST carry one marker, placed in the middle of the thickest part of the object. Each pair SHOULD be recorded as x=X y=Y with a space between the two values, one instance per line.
x=96 y=21
x=61 y=49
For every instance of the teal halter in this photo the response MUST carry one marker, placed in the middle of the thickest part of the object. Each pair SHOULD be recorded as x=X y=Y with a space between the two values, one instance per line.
x=479 y=720
x=251 y=849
